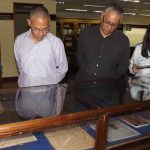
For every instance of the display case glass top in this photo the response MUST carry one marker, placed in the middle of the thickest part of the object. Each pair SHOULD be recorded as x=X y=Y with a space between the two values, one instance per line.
x=54 y=100
x=83 y=104
x=36 y=102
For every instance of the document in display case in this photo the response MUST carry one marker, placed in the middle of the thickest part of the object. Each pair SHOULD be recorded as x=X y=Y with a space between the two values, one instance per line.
x=117 y=130
x=135 y=120
x=17 y=140
x=70 y=137
x=52 y=112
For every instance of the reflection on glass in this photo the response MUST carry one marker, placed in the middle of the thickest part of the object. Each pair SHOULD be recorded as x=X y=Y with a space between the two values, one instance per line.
x=139 y=88
x=1 y=108
x=103 y=93
x=44 y=101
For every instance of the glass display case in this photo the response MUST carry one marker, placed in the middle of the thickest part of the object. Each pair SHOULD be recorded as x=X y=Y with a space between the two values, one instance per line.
x=124 y=123
x=99 y=115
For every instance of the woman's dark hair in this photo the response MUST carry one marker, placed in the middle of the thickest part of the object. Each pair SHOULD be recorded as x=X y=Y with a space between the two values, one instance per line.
x=146 y=43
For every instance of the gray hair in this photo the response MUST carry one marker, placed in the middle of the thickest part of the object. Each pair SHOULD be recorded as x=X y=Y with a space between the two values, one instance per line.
x=115 y=7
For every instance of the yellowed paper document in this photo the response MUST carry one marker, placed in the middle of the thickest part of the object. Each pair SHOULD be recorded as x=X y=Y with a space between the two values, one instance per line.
x=69 y=138
x=16 y=140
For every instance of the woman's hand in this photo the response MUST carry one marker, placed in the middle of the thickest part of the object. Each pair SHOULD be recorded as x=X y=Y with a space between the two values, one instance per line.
x=135 y=68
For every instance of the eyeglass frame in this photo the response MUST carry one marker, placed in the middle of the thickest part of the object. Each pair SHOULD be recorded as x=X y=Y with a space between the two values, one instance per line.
x=107 y=22
x=36 y=30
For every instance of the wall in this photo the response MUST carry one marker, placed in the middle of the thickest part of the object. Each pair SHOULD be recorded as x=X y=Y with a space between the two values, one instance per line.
x=135 y=32
x=7 y=33
x=135 y=36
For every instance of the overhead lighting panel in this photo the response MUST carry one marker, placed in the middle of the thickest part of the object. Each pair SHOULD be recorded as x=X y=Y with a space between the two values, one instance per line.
x=147 y=15
x=133 y=14
x=98 y=11
x=80 y=10
x=147 y=3
x=131 y=9
x=146 y=10
x=133 y=1
x=60 y=3
x=86 y=5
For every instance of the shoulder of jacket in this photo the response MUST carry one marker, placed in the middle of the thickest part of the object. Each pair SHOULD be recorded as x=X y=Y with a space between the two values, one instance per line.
x=88 y=30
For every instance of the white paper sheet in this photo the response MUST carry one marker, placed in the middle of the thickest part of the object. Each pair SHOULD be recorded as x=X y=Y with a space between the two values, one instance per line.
x=16 y=140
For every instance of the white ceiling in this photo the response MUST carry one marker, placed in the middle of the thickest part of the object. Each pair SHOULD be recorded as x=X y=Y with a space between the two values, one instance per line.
x=135 y=8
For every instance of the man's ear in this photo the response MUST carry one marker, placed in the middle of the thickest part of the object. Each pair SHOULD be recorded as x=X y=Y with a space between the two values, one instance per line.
x=102 y=15
x=29 y=22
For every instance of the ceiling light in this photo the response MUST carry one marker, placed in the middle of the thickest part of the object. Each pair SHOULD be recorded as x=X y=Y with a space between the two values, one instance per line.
x=98 y=11
x=86 y=5
x=60 y=3
x=145 y=10
x=81 y=10
x=130 y=14
x=146 y=3
x=133 y=1
x=145 y=15
x=130 y=9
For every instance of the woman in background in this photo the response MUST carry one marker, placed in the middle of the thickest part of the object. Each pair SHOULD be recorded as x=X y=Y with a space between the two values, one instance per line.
x=140 y=60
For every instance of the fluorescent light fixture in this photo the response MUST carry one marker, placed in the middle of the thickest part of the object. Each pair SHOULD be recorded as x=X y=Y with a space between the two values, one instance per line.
x=130 y=9
x=146 y=3
x=133 y=1
x=133 y=14
x=98 y=11
x=146 y=10
x=86 y=5
x=148 y=15
x=60 y=3
x=80 y=10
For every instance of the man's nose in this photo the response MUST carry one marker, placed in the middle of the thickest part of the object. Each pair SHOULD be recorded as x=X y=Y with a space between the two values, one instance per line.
x=41 y=32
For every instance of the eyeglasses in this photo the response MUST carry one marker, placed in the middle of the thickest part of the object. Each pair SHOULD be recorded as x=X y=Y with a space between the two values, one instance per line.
x=36 y=30
x=109 y=23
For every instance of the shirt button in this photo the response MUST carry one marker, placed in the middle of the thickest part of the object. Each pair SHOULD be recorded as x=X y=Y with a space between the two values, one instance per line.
x=94 y=82
x=95 y=74
x=99 y=56
x=97 y=65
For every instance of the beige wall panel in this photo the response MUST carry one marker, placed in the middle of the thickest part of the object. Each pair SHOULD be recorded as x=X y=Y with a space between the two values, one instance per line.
x=135 y=36
x=138 y=20
x=7 y=56
x=53 y=27
x=7 y=5
x=50 y=6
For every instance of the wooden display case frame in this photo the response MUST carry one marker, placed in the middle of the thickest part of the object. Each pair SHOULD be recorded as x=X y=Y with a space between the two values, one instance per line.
x=101 y=115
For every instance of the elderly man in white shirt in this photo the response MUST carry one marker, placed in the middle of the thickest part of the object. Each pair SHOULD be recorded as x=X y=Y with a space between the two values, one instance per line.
x=40 y=55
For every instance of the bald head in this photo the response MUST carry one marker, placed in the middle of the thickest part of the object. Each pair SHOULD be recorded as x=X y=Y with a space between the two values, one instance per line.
x=39 y=23
x=39 y=12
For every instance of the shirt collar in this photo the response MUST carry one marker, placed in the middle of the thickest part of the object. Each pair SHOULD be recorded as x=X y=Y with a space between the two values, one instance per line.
x=28 y=35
